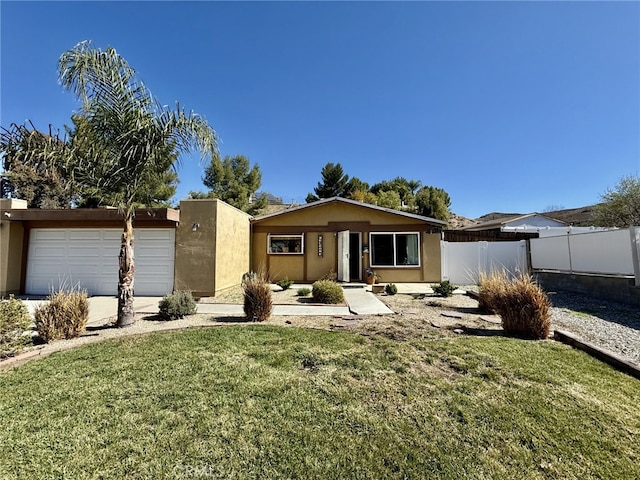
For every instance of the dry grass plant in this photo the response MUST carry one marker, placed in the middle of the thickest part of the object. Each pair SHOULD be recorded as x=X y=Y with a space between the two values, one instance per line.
x=63 y=316
x=523 y=307
x=258 y=304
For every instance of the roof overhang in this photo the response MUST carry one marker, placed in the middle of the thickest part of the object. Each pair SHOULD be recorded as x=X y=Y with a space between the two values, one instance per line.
x=87 y=217
x=413 y=216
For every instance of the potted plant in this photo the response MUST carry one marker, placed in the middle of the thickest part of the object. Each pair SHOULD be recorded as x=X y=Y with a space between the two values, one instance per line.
x=371 y=276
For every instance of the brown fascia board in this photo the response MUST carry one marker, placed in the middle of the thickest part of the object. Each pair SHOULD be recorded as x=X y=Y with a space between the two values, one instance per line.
x=89 y=215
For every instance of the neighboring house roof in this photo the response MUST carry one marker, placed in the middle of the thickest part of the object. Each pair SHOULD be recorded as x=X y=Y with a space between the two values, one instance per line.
x=505 y=221
x=350 y=202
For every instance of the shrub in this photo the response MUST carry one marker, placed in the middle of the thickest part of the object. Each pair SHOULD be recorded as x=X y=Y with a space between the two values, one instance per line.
x=303 y=292
x=525 y=310
x=177 y=305
x=327 y=291
x=391 y=289
x=521 y=304
x=285 y=283
x=257 y=298
x=444 y=288
x=63 y=316
x=14 y=321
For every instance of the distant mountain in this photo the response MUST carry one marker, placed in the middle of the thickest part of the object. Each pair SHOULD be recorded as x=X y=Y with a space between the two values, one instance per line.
x=578 y=217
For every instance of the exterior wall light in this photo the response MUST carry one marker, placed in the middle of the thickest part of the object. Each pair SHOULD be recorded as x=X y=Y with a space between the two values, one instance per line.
x=194 y=227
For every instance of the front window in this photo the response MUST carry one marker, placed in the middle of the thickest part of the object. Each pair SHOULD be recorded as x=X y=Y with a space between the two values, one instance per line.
x=286 y=244
x=395 y=249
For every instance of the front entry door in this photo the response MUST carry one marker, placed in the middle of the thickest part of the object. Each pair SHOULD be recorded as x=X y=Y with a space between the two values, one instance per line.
x=355 y=256
x=343 y=256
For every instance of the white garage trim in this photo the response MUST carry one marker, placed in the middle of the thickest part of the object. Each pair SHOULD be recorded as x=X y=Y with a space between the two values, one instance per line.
x=89 y=257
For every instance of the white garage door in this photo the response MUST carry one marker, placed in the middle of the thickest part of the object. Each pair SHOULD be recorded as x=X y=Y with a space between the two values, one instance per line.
x=89 y=257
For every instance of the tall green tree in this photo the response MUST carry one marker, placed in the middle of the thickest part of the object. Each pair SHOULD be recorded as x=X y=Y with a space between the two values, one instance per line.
x=389 y=199
x=36 y=167
x=433 y=202
x=335 y=183
x=128 y=132
x=620 y=205
x=405 y=188
x=234 y=181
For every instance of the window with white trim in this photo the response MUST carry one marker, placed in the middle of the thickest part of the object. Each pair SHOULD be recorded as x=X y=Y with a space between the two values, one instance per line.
x=401 y=249
x=286 y=244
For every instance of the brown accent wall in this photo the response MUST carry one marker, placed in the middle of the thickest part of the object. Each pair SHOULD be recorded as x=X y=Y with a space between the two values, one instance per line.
x=215 y=255
x=11 y=247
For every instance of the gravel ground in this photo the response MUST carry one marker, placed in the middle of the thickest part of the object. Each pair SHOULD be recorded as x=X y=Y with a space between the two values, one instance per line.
x=611 y=325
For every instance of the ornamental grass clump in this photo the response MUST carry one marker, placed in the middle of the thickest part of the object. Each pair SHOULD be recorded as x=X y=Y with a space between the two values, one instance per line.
x=327 y=291
x=63 y=316
x=523 y=307
x=526 y=310
x=257 y=298
x=14 y=321
x=177 y=305
x=492 y=287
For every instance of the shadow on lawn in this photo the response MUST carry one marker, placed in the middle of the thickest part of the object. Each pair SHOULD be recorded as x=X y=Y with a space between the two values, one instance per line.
x=231 y=319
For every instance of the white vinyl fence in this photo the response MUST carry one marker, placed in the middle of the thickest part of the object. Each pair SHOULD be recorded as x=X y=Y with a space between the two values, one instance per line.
x=611 y=252
x=463 y=262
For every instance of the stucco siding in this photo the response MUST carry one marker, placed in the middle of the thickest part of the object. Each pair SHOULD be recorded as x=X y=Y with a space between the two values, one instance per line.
x=212 y=246
x=232 y=246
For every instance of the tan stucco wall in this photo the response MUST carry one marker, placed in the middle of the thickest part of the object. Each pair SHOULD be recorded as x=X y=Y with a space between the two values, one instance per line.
x=233 y=242
x=432 y=255
x=11 y=245
x=325 y=220
x=321 y=266
x=215 y=256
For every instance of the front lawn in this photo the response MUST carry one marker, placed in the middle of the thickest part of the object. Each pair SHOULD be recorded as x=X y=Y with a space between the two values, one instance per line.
x=275 y=402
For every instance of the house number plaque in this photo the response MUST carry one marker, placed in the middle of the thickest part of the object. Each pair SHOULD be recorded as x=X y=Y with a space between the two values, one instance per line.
x=319 y=245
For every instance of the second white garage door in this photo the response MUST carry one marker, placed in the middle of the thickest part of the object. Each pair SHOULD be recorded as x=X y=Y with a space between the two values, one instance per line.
x=89 y=257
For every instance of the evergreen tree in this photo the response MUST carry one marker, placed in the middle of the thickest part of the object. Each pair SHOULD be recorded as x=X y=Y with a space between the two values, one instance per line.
x=433 y=202
x=335 y=183
x=233 y=181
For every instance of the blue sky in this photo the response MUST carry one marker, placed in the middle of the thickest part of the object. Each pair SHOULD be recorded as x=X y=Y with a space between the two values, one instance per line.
x=508 y=106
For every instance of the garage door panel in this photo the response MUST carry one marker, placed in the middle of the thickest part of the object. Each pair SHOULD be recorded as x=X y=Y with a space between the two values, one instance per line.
x=52 y=234
x=154 y=269
x=112 y=235
x=59 y=257
x=158 y=252
x=155 y=234
x=85 y=235
x=85 y=252
x=48 y=251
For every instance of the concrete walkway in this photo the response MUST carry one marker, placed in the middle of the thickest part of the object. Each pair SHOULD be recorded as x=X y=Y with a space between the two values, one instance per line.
x=360 y=301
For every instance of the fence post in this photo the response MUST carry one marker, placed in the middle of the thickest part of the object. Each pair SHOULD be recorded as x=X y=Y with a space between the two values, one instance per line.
x=444 y=260
x=634 y=233
x=569 y=249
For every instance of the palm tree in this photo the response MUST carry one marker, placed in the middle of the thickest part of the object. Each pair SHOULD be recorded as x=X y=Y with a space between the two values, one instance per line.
x=123 y=147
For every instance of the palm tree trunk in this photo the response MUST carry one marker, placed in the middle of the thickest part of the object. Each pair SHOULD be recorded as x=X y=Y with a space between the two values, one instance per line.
x=126 y=314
